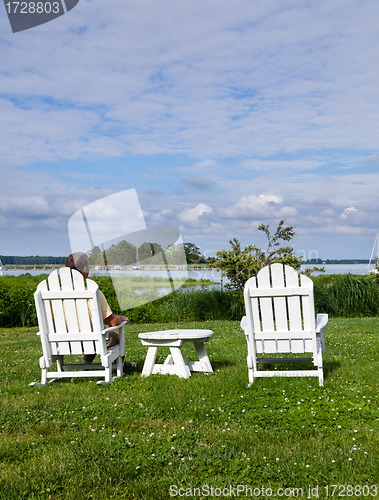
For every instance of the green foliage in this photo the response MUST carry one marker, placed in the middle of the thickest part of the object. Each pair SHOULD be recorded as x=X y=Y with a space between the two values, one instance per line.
x=238 y=265
x=193 y=254
x=133 y=439
x=346 y=295
x=355 y=296
x=314 y=269
x=125 y=254
x=96 y=256
x=17 y=300
x=326 y=279
x=203 y=305
x=337 y=295
x=175 y=255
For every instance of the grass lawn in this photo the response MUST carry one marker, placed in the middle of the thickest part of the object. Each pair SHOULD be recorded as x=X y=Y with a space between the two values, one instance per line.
x=209 y=435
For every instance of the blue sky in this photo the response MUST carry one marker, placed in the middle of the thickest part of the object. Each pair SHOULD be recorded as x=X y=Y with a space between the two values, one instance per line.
x=221 y=114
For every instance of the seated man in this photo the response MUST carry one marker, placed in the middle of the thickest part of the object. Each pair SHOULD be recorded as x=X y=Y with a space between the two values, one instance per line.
x=79 y=261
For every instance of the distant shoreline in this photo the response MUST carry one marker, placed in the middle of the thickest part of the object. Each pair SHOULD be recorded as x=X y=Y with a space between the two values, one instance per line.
x=7 y=262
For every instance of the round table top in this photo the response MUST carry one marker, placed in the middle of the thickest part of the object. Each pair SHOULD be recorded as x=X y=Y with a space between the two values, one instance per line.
x=177 y=335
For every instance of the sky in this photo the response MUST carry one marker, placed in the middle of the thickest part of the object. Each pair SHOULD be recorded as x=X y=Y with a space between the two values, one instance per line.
x=221 y=114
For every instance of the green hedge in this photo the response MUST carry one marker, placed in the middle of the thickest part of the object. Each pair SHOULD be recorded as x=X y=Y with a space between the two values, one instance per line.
x=348 y=296
x=345 y=295
x=17 y=301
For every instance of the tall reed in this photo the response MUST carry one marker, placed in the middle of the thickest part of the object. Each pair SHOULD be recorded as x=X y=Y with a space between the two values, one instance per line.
x=203 y=305
x=354 y=296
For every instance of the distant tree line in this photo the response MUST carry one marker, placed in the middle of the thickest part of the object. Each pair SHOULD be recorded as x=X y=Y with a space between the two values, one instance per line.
x=337 y=261
x=31 y=260
x=124 y=254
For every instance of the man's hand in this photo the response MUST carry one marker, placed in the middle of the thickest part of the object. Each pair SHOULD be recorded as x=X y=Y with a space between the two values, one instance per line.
x=114 y=320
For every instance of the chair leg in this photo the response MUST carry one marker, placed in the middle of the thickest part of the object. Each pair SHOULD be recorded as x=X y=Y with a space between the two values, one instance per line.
x=149 y=361
x=120 y=368
x=44 y=376
x=250 y=370
x=319 y=362
x=60 y=363
x=108 y=374
x=320 y=377
x=322 y=337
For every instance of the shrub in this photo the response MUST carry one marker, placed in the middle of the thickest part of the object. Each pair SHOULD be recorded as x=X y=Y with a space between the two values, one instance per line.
x=238 y=264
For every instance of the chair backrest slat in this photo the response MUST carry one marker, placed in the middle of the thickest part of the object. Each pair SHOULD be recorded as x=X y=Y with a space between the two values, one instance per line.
x=308 y=305
x=265 y=303
x=69 y=305
x=253 y=312
x=56 y=307
x=280 y=306
x=294 y=308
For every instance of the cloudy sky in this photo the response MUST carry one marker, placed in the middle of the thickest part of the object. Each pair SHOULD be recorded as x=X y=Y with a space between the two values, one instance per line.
x=222 y=114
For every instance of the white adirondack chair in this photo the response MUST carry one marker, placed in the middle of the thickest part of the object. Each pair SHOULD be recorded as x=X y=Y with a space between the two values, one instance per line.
x=66 y=326
x=280 y=318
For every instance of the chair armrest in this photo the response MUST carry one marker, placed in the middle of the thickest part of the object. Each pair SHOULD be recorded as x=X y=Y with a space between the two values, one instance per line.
x=121 y=332
x=243 y=324
x=112 y=328
x=322 y=321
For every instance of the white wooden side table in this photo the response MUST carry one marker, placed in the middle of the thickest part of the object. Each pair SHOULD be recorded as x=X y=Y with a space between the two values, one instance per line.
x=176 y=363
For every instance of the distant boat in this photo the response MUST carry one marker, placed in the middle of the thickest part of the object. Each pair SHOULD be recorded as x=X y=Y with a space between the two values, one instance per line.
x=2 y=268
x=376 y=242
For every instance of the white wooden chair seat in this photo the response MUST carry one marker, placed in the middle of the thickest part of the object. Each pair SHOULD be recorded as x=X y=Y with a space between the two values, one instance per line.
x=280 y=319
x=176 y=363
x=70 y=323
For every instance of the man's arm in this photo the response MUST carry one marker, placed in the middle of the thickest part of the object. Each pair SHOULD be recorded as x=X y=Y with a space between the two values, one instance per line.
x=114 y=320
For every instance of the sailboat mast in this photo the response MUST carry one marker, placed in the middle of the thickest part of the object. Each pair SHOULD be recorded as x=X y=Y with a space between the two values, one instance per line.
x=373 y=250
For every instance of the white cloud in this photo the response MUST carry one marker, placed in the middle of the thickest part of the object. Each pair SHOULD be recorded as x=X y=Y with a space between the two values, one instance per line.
x=372 y=159
x=309 y=199
x=347 y=211
x=252 y=207
x=162 y=217
x=29 y=207
x=345 y=229
x=195 y=216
